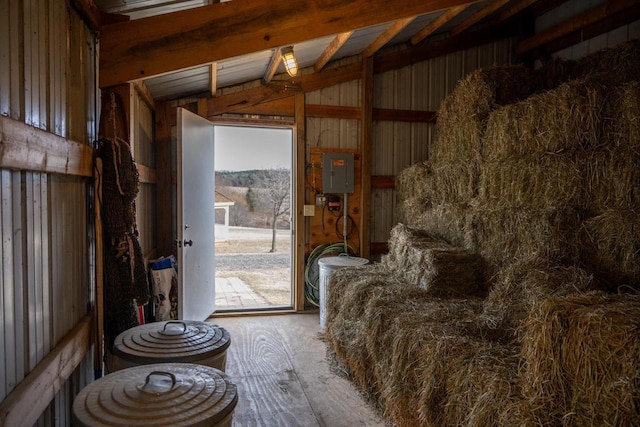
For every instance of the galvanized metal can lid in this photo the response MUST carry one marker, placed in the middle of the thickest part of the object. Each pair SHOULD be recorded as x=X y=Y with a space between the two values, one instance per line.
x=342 y=261
x=182 y=394
x=171 y=341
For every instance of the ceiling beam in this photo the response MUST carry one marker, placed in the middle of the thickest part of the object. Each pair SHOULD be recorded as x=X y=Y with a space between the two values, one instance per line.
x=213 y=81
x=274 y=63
x=437 y=23
x=277 y=90
x=478 y=16
x=387 y=35
x=576 y=23
x=513 y=10
x=590 y=31
x=160 y=44
x=331 y=50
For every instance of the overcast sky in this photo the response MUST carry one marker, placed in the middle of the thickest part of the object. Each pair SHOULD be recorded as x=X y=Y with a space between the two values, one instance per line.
x=247 y=148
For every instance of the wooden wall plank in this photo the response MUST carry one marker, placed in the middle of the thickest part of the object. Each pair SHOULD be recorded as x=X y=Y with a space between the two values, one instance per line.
x=165 y=114
x=366 y=152
x=31 y=397
x=299 y=152
x=27 y=148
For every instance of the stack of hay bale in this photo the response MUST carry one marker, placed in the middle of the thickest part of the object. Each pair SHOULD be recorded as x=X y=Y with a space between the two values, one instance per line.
x=509 y=294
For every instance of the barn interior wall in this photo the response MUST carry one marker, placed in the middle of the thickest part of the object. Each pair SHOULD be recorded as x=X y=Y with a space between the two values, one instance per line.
x=47 y=80
x=396 y=145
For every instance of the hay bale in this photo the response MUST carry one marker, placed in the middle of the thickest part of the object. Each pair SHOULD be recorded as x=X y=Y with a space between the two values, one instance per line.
x=626 y=131
x=621 y=62
x=433 y=264
x=481 y=381
x=568 y=118
x=414 y=181
x=611 y=247
x=344 y=284
x=347 y=289
x=504 y=235
x=400 y=322
x=410 y=210
x=611 y=179
x=522 y=285
x=444 y=221
x=455 y=183
x=463 y=113
x=581 y=358
x=546 y=181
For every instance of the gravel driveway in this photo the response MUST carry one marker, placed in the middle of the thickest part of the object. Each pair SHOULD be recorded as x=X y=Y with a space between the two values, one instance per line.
x=252 y=261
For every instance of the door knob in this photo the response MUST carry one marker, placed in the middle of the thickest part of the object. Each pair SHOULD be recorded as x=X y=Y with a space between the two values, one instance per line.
x=188 y=242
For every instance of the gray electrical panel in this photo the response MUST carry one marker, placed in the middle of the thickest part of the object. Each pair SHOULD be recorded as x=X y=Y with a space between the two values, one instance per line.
x=337 y=173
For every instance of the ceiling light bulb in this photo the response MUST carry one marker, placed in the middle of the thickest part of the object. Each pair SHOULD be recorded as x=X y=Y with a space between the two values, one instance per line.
x=289 y=59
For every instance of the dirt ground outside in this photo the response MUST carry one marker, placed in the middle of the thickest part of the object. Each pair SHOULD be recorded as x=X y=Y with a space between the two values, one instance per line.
x=246 y=255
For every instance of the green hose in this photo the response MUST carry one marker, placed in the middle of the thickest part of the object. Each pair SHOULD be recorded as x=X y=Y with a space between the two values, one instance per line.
x=311 y=288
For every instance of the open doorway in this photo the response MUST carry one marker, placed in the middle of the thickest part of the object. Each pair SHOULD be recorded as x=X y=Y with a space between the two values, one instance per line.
x=253 y=200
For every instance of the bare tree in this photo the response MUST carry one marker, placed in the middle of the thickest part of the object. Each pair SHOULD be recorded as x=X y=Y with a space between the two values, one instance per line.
x=275 y=197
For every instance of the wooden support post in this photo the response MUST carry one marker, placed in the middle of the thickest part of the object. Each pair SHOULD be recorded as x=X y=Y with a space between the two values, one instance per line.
x=164 y=184
x=300 y=227
x=365 y=149
x=99 y=304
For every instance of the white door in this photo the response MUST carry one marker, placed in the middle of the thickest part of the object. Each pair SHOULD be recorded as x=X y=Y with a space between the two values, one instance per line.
x=196 y=217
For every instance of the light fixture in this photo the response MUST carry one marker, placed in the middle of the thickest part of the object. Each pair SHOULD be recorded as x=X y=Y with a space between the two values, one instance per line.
x=289 y=60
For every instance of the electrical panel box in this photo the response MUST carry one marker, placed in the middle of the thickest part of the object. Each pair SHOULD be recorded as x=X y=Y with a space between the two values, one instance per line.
x=337 y=173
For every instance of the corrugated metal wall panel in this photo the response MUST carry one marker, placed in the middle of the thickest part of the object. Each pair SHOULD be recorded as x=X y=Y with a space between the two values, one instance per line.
x=382 y=219
x=69 y=271
x=47 y=80
x=13 y=346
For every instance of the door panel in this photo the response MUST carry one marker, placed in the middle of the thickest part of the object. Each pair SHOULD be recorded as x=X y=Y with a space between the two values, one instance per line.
x=196 y=217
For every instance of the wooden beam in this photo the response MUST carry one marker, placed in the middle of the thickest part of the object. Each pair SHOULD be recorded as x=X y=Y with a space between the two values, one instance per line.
x=165 y=116
x=576 y=23
x=277 y=107
x=513 y=10
x=146 y=175
x=478 y=16
x=610 y=23
x=163 y=43
x=425 y=51
x=437 y=23
x=299 y=153
x=98 y=311
x=274 y=63
x=278 y=90
x=213 y=78
x=333 y=111
x=331 y=50
x=23 y=147
x=379 y=248
x=93 y=16
x=387 y=35
x=24 y=405
x=414 y=116
x=366 y=149
x=383 y=181
x=143 y=92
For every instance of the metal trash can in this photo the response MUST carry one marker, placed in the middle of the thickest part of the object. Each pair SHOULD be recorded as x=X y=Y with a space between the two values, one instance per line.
x=326 y=266
x=174 y=341
x=167 y=394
